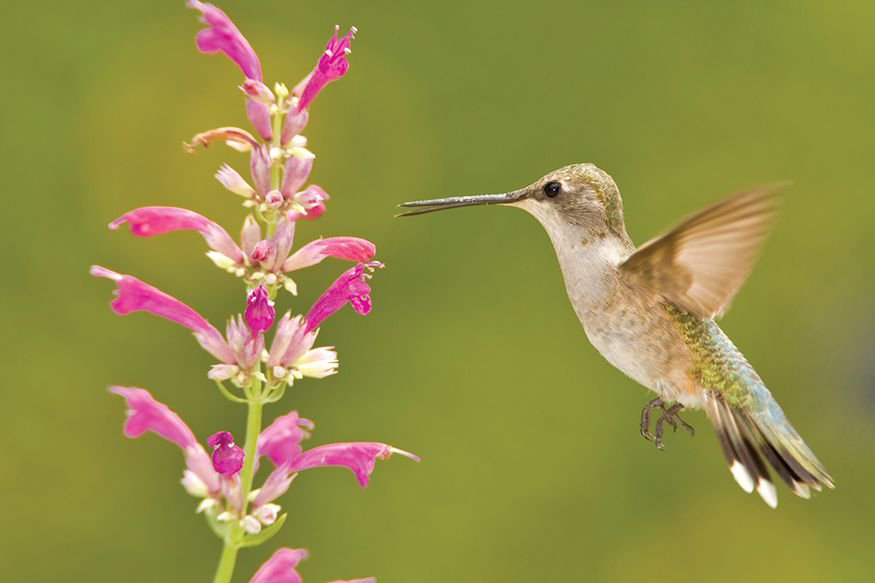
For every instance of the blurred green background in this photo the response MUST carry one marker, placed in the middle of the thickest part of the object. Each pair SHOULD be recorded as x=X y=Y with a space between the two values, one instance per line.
x=533 y=468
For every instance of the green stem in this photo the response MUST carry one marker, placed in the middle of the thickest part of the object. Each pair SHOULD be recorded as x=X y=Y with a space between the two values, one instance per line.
x=235 y=533
x=276 y=169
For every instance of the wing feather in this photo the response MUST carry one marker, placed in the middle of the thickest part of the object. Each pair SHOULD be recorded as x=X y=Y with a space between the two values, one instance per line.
x=700 y=264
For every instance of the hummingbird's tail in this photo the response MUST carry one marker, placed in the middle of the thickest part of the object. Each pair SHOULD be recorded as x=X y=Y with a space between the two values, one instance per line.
x=750 y=434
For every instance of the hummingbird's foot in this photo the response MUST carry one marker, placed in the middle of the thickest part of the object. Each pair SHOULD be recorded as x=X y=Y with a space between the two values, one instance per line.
x=669 y=416
x=645 y=417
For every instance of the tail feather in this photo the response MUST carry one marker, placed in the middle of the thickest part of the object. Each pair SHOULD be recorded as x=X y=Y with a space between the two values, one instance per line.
x=747 y=438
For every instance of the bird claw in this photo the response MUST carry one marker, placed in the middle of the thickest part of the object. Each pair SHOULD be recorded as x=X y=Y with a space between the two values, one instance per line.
x=669 y=415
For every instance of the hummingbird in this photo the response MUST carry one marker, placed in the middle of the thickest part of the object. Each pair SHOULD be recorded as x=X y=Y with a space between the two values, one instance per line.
x=651 y=311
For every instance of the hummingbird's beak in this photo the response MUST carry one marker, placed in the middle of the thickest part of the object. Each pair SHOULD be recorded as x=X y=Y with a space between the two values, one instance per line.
x=439 y=204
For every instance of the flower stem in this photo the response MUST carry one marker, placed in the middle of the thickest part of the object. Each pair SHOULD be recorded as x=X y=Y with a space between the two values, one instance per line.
x=235 y=533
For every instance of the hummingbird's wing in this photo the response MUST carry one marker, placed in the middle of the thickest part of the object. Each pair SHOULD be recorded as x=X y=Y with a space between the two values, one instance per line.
x=700 y=263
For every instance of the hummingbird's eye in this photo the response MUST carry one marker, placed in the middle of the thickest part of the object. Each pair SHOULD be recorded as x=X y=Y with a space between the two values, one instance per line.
x=551 y=189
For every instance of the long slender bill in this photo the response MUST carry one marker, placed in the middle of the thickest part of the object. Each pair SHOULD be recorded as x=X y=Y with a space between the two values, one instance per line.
x=439 y=204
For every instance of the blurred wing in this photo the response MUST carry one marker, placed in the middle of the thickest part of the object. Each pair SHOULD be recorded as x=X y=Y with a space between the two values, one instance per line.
x=700 y=264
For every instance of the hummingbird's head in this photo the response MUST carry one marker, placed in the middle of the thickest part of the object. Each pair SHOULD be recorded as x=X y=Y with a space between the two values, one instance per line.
x=579 y=195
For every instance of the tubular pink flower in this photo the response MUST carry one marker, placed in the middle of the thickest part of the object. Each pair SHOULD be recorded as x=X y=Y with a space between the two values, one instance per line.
x=280 y=567
x=133 y=295
x=351 y=248
x=157 y=220
x=259 y=117
x=358 y=457
x=222 y=35
x=281 y=441
x=227 y=458
x=351 y=288
x=332 y=65
x=259 y=311
x=147 y=414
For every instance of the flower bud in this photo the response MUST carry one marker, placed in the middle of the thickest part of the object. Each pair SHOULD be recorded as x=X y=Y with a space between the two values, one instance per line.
x=296 y=171
x=259 y=166
x=274 y=199
x=259 y=311
x=227 y=458
x=250 y=524
x=267 y=513
x=261 y=250
x=258 y=91
x=294 y=124
x=223 y=372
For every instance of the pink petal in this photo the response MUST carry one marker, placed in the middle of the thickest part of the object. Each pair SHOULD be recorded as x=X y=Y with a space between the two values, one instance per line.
x=358 y=457
x=280 y=567
x=157 y=220
x=350 y=287
x=351 y=248
x=281 y=441
x=290 y=341
x=276 y=484
x=147 y=414
x=133 y=295
x=259 y=117
x=222 y=35
x=259 y=167
x=332 y=65
x=295 y=174
x=282 y=241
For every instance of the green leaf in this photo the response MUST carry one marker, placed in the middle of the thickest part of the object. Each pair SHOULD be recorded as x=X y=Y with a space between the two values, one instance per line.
x=251 y=540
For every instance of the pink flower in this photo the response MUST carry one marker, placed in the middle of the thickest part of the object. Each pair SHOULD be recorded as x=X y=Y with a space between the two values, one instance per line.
x=270 y=255
x=222 y=35
x=157 y=220
x=259 y=311
x=227 y=458
x=133 y=295
x=351 y=288
x=281 y=443
x=147 y=414
x=282 y=439
x=332 y=65
x=281 y=567
x=351 y=248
